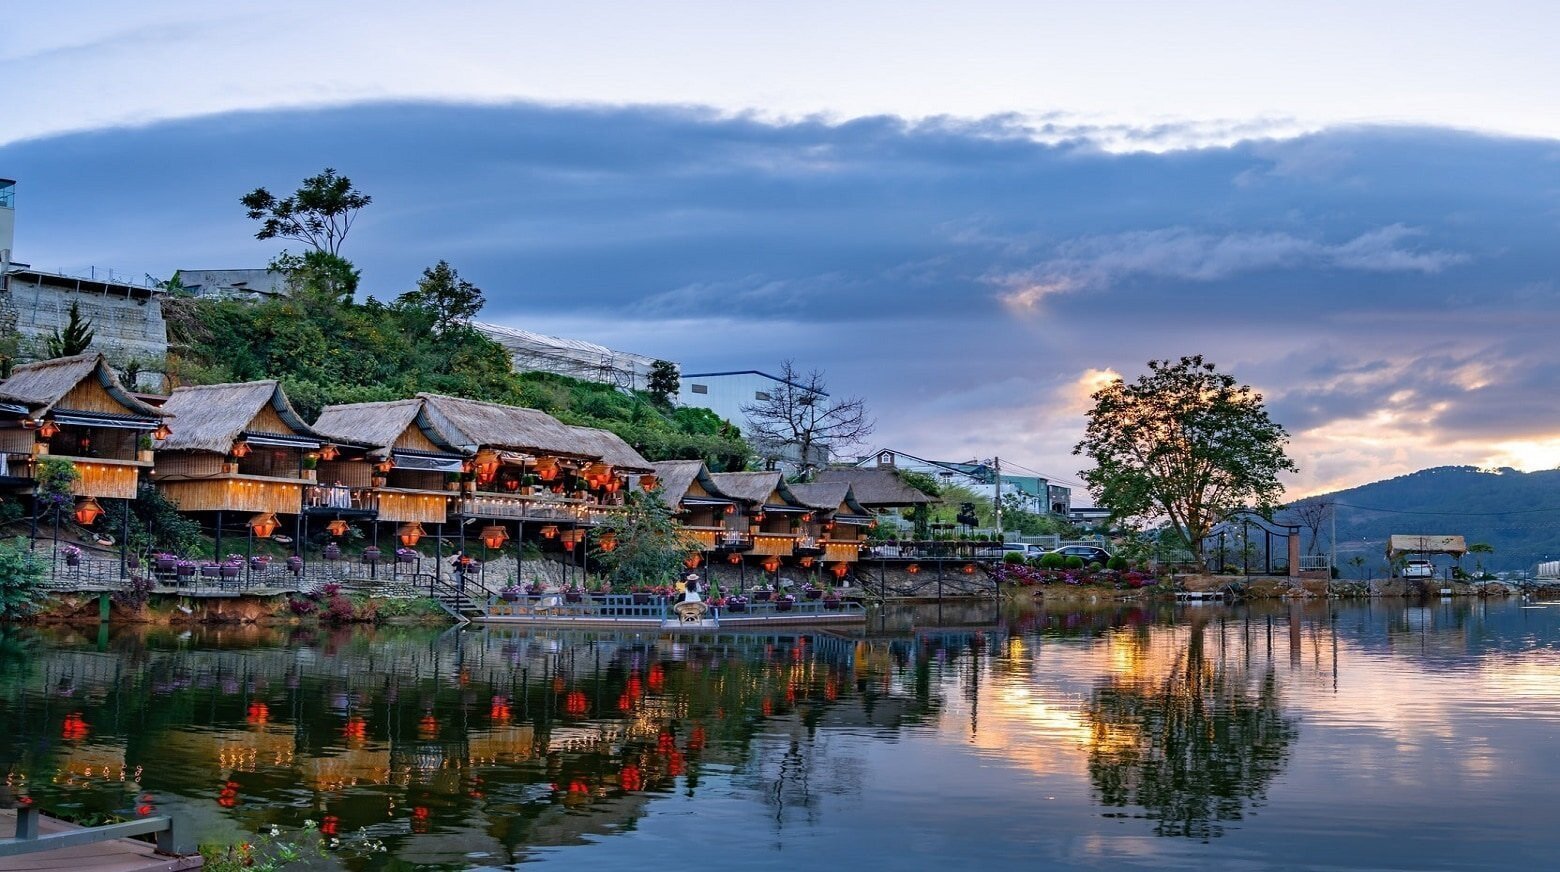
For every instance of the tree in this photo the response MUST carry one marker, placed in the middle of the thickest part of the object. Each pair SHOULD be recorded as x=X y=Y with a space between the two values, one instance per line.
x=1186 y=443
x=799 y=414
x=1312 y=516
x=650 y=545
x=665 y=381
x=449 y=300
x=319 y=213
x=1358 y=562
x=1481 y=549
x=21 y=580
x=75 y=338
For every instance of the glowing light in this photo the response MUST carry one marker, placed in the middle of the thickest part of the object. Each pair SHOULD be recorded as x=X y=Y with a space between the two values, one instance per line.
x=241 y=449
x=329 y=452
x=88 y=511
x=264 y=525
x=337 y=527
x=410 y=533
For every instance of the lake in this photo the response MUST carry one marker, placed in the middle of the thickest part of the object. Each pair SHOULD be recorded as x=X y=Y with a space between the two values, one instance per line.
x=1371 y=735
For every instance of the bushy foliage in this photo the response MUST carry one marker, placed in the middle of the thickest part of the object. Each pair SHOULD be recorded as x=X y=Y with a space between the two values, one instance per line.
x=1012 y=557
x=21 y=580
x=56 y=478
x=1053 y=560
x=157 y=525
x=651 y=545
x=1118 y=563
x=1074 y=562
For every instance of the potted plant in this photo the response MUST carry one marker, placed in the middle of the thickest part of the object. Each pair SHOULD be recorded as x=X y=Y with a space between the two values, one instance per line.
x=184 y=568
x=164 y=562
x=371 y=555
x=784 y=602
x=574 y=594
x=231 y=567
x=210 y=570
x=736 y=603
x=295 y=564
x=332 y=551
x=535 y=589
x=72 y=555
x=831 y=600
x=311 y=462
x=811 y=592
x=406 y=555
x=642 y=596
x=143 y=448
x=528 y=484
x=452 y=481
x=259 y=562
x=762 y=593
x=510 y=592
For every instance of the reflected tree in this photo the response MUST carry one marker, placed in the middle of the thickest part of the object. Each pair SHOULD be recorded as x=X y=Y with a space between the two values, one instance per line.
x=1195 y=749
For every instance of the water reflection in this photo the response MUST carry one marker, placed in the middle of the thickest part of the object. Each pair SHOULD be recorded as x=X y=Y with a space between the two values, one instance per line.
x=1192 y=739
x=955 y=731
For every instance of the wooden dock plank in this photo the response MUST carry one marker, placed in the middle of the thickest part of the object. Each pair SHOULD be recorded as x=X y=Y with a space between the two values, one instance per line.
x=117 y=855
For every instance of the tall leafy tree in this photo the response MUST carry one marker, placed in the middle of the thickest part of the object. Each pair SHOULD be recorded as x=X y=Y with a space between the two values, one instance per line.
x=664 y=382
x=75 y=338
x=1185 y=443
x=449 y=301
x=320 y=213
x=799 y=413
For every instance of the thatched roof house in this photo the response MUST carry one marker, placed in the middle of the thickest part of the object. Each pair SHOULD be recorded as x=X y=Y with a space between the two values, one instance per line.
x=479 y=424
x=611 y=448
x=388 y=427
x=758 y=490
x=835 y=497
x=81 y=384
x=213 y=418
x=689 y=482
x=876 y=488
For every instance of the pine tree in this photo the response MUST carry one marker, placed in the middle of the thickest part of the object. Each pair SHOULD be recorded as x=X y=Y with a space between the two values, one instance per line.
x=76 y=338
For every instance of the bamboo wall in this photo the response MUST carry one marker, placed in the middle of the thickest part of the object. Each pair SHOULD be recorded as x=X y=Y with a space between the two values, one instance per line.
x=767 y=544
x=412 y=439
x=90 y=396
x=425 y=508
x=841 y=552
x=352 y=473
x=106 y=479
x=235 y=495
x=416 y=479
x=14 y=440
x=188 y=463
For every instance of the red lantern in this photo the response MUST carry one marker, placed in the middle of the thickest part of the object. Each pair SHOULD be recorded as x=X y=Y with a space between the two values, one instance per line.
x=264 y=525
x=731 y=509
x=549 y=531
x=913 y=568
x=162 y=432
x=329 y=452
x=410 y=533
x=88 y=511
x=839 y=570
x=734 y=559
x=607 y=541
x=511 y=484
x=807 y=562
x=48 y=430
x=772 y=564
x=969 y=569
x=647 y=483
x=493 y=536
x=568 y=544
x=241 y=448
x=337 y=527
x=546 y=469
x=384 y=466
x=693 y=561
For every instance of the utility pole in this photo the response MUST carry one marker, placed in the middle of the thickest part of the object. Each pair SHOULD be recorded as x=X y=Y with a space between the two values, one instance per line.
x=1332 y=542
x=996 y=466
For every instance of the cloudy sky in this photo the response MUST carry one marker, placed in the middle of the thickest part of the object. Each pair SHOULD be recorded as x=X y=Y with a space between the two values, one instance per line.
x=968 y=215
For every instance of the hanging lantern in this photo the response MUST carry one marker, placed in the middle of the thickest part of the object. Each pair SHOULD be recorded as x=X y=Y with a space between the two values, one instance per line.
x=772 y=564
x=549 y=531
x=913 y=568
x=493 y=536
x=839 y=570
x=808 y=517
x=734 y=559
x=807 y=562
x=486 y=466
x=647 y=483
x=731 y=509
x=264 y=524
x=568 y=544
x=511 y=484
x=693 y=561
x=969 y=569
x=612 y=485
x=337 y=527
x=828 y=525
x=88 y=511
x=48 y=430
x=162 y=432
x=329 y=452
x=410 y=533
x=546 y=468
x=384 y=466
x=241 y=449
x=607 y=541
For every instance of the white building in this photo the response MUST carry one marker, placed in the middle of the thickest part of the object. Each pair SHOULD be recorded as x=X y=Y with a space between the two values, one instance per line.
x=576 y=358
x=1033 y=493
x=242 y=283
x=725 y=393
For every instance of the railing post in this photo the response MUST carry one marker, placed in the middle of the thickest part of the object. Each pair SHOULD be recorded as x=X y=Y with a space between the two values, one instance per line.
x=26 y=824
x=173 y=840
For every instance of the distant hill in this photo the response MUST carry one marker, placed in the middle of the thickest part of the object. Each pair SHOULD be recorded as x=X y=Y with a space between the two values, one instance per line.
x=1516 y=512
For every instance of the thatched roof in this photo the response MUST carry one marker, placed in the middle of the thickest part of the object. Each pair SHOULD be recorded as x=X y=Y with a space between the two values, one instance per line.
x=677 y=478
x=381 y=424
x=611 y=448
x=39 y=386
x=876 y=488
x=1398 y=544
x=754 y=487
x=213 y=417
x=828 y=496
x=493 y=425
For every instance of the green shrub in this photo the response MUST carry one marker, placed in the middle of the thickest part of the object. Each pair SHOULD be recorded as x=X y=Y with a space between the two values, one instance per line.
x=1012 y=557
x=1118 y=563
x=1074 y=562
x=1096 y=566
x=1053 y=560
x=21 y=580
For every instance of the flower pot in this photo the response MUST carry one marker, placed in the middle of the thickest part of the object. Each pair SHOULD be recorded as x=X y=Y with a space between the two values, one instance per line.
x=229 y=570
x=73 y=560
x=378 y=481
x=406 y=558
x=295 y=563
x=258 y=564
x=832 y=604
x=144 y=455
x=211 y=570
x=333 y=551
x=736 y=607
x=166 y=564
x=783 y=605
x=509 y=596
x=573 y=597
x=370 y=555
x=762 y=595
x=641 y=599
x=308 y=474
x=452 y=486
x=813 y=593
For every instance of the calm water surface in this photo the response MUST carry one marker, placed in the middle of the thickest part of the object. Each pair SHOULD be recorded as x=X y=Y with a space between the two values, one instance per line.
x=1387 y=735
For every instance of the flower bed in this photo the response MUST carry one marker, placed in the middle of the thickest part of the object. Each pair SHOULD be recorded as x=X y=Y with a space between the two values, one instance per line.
x=1029 y=576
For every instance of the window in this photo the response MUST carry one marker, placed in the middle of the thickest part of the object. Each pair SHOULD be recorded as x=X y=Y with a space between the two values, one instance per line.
x=760 y=395
x=701 y=389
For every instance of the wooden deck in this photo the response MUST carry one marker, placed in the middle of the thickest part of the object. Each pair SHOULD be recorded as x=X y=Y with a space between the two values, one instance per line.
x=118 y=855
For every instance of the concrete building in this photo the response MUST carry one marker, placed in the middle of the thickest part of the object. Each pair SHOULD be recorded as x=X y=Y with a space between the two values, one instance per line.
x=576 y=358
x=725 y=393
x=243 y=283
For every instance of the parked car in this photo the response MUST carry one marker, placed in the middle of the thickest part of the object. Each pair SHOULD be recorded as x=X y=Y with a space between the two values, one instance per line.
x=1028 y=549
x=1419 y=569
x=1089 y=553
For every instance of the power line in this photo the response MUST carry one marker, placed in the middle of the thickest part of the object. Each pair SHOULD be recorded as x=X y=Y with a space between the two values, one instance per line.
x=1450 y=514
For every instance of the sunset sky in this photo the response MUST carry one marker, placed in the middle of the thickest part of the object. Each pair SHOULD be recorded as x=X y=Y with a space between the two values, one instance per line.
x=968 y=214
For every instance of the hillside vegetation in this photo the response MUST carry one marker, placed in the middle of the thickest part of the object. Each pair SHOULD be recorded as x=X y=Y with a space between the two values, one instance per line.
x=1518 y=513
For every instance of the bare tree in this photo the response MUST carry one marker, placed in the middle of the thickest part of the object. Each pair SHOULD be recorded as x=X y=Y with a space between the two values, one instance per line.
x=798 y=412
x=1312 y=516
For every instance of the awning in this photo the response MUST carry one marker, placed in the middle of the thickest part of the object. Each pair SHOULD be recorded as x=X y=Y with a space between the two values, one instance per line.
x=426 y=462
x=857 y=520
x=706 y=501
x=98 y=419
x=277 y=440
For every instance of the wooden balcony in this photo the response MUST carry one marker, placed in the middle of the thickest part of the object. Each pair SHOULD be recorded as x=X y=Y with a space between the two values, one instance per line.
x=848 y=551
x=100 y=476
x=235 y=492
x=527 y=508
x=774 y=544
x=409 y=505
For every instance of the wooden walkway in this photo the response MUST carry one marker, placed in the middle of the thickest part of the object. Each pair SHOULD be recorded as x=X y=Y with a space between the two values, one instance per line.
x=119 y=855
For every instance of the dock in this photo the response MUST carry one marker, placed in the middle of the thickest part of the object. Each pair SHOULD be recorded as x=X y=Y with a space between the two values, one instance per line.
x=108 y=855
